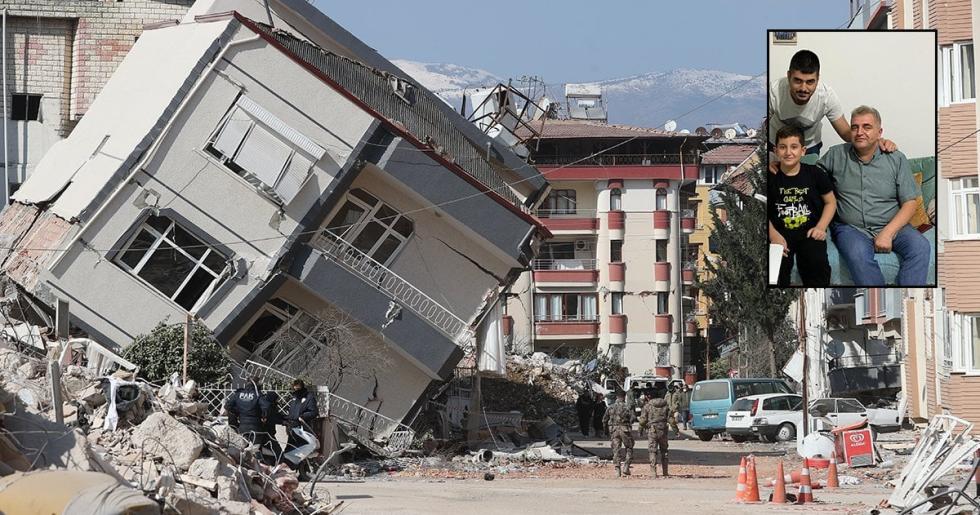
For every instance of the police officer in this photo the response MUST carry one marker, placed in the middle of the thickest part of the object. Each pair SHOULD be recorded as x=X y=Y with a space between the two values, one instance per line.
x=653 y=417
x=249 y=411
x=303 y=411
x=584 y=406
x=619 y=420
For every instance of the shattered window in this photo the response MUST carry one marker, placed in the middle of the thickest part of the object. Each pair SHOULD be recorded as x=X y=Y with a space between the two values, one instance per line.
x=175 y=262
x=371 y=226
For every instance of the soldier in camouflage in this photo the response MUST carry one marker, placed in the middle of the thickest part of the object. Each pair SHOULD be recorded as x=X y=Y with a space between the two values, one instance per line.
x=618 y=421
x=673 y=405
x=653 y=418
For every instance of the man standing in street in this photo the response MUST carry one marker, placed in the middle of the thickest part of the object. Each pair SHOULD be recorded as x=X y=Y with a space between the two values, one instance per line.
x=876 y=198
x=673 y=402
x=598 y=412
x=685 y=410
x=654 y=418
x=619 y=420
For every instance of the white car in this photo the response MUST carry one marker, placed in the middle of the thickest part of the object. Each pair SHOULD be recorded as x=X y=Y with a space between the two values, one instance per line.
x=775 y=409
x=841 y=412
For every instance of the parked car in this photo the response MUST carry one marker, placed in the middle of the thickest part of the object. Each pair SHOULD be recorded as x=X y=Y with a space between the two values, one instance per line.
x=711 y=399
x=840 y=412
x=776 y=410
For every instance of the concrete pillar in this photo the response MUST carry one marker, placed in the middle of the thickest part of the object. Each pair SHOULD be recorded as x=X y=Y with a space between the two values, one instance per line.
x=61 y=319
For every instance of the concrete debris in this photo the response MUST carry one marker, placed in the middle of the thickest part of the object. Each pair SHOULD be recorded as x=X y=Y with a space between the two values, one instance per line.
x=164 y=445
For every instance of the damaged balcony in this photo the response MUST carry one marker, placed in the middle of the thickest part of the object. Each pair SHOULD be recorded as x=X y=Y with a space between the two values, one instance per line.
x=879 y=374
x=420 y=326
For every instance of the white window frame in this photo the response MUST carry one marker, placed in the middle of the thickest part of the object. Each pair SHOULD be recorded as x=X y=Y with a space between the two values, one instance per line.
x=714 y=171
x=950 y=74
x=958 y=198
x=660 y=199
x=556 y=307
x=663 y=303
x=198 y=262
x=615 y=199
x=962 y=334
x=561 y=202
x=300 y=152
x=616 y=303
x=369 y=215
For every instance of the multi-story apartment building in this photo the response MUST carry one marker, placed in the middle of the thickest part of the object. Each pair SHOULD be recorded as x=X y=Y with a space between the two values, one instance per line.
x=616 y=274
x=286 y=185
x=941 y=370
x=59 y=55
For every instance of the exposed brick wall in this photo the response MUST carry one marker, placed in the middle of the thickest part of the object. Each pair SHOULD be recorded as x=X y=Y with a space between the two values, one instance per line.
x=67 y=50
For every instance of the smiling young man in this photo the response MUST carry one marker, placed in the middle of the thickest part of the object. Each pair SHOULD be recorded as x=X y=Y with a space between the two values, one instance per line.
x=876 y=198
x=802 y=100
x=801 y=206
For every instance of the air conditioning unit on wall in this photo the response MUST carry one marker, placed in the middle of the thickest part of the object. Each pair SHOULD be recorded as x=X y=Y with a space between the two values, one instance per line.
x=583 y=245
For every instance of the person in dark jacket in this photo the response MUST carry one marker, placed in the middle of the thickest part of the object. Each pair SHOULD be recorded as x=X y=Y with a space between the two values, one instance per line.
x=584 y=406
x=597 y=413
x=253 y=413
x=303 y=412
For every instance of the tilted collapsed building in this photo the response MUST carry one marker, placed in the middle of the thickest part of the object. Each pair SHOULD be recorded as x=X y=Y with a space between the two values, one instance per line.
x=266 y=176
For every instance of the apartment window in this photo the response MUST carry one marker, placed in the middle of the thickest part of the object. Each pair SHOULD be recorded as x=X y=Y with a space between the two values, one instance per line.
x=947 y=339
x=662 y=303
x=298 y=341
x=661 y=200
x=661 y=251
x=616 y=199
x=965 y=193
x=711 y=174
x=274 y=315
x=558 y=307
x=25 y=107
x=617 y=303
x=263 y=149
x=371 y=226
x=563 y=250
x=865 y=294
x=880 y=301
x=966 y=341
x=175 y=262
x=616 y=251
x=957 y=75
x=559 y=202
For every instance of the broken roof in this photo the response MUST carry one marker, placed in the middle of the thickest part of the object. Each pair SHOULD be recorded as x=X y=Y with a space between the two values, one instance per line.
x=738 y=179
x=125 y=118
x=579 y=129
x=727 y=155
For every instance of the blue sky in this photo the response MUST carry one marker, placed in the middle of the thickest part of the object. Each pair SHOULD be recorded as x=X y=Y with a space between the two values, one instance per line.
x=577 y=40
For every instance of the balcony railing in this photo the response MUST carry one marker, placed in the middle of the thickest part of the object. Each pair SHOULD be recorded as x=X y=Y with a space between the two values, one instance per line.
x=563 y=264
x=614 y=159
x=566 y=213
x=393 y=286
x=566 y=318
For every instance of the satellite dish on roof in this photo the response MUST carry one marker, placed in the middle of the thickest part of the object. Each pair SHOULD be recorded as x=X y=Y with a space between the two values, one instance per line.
x=701 y=131
x=685 y=131
x=670 y=126
x=835 y=349
x=716 y=133
x=730 y=133
x=750 y=133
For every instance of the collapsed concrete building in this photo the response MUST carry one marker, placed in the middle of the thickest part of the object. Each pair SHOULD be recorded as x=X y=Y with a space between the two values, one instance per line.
x=260 y=168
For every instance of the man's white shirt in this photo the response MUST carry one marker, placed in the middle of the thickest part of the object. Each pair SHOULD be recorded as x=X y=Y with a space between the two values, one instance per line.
x=783 y=111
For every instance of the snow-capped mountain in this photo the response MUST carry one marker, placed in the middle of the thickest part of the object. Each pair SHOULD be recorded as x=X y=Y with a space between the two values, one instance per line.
x=646 y=100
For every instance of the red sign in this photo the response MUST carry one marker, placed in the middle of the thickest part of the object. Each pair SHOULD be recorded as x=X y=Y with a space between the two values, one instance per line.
x=857 y=447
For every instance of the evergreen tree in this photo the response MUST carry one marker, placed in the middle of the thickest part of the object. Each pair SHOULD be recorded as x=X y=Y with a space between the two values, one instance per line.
x=737 y=286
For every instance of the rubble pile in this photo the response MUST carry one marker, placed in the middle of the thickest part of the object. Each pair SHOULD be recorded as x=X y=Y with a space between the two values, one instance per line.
x=159 y=441
x=538 y=387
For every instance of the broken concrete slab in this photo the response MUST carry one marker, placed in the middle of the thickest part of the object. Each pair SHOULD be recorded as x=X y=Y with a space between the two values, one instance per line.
x=165 y=437
x=208 y=469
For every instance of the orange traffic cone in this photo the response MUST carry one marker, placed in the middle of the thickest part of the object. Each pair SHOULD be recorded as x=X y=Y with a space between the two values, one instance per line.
x=751 y=482
x=791 y=478
x=740 y=489
x=832 y=481
x=806 y=489
x=779 y=493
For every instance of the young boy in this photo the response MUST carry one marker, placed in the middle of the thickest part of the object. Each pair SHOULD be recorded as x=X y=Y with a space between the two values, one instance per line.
x=801 y=206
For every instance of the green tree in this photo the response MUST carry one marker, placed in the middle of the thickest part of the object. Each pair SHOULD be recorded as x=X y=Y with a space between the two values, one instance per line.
x=161 y=353
x=737 y=284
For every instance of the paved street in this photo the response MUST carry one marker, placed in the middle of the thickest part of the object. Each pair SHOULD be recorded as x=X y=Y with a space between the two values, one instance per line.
x=705 y=483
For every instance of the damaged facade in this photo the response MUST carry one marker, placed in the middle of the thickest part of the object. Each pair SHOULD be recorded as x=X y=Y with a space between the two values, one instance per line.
x=277 y=179
x=59 y=55
x=616 y=277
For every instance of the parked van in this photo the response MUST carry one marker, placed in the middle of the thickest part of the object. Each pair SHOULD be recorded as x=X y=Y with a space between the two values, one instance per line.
x=711 y=399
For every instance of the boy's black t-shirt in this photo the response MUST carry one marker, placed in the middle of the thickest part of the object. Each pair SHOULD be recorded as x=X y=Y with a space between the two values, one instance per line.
x=795 y=202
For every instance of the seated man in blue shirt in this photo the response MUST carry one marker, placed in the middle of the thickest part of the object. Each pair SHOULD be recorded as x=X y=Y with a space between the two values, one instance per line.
x=876 y=198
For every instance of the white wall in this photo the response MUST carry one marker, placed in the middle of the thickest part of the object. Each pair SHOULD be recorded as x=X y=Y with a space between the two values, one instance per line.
x=893 y=72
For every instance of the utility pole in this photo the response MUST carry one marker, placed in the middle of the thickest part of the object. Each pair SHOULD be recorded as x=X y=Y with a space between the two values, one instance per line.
x=801 y=331
x=187 y=341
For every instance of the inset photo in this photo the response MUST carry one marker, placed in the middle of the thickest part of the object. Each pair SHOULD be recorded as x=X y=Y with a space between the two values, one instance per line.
x=851 y=134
